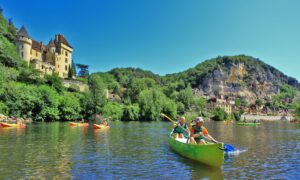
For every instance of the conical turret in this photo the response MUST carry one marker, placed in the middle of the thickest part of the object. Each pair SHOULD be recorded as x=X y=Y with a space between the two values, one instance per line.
x=23 y=32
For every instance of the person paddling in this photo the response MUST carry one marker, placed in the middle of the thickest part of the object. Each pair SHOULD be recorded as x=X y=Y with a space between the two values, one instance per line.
x=180 y=127
x=199 y=133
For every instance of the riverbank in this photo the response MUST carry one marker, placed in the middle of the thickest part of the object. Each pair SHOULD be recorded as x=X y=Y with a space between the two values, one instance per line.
x=8 y=119
x=266 y=118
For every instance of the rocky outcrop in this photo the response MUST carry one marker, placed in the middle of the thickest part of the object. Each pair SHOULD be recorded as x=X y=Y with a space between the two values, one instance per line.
x=246 y=77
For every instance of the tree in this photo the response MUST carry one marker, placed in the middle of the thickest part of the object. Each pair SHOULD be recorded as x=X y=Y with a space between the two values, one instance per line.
x=74 y=68
x=97 y=89
x=131 y=112
x=3 y=108
x=48 y=108
x=55 y=82
x=238 y=102
x=83 y=70
x=296 y=107
x=200 y=104
x=259 y=102
x=186 y=97
x=137 y=85
x=152 y=102
x=71 y=72
x=219 y=114
x=69 y=107
x=113 y=110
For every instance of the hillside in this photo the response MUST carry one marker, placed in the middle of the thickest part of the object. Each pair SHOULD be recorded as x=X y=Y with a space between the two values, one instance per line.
x=235 y=76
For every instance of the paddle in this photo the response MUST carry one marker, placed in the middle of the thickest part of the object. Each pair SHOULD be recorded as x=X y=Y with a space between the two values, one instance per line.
x=228 y=148
x=167 y=117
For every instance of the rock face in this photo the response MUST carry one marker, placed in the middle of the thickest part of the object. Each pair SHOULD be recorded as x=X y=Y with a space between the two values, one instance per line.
x=241 y=76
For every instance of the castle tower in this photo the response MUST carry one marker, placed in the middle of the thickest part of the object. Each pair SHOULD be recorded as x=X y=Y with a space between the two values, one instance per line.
x=64 y=58
x=24 y=44
x=51 y=46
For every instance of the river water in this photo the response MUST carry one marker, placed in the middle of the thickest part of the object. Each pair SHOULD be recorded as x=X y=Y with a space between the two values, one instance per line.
x=139 y=150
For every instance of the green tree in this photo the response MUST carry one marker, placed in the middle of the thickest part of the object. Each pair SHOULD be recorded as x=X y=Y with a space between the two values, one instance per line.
x=113 y=110
x=296 y=107
x=200 y=104
x=69 y=107
x=186 y=97
x=71 y=72
x=137 y=85
x=219 y=114
x=152 y=102
x=55 y=82
x=48 y=107
x=3 y=108
x=98 y=90
x=238 y=102
x=131 y=112
x=259 y=102
x=83 y=70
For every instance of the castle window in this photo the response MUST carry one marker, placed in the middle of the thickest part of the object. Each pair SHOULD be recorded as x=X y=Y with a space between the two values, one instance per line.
x=66 y=68
x=36 y=54
x=42 y=66
x=22 y=54
x=30 y=51
x=66 y=60
x=66 y=53
x=22 y=46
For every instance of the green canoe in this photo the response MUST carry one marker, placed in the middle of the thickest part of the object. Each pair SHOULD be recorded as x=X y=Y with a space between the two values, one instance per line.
x=248 y=124
x=209 y=154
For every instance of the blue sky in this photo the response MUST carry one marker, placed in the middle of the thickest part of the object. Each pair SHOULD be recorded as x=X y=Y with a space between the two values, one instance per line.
x=166 y=36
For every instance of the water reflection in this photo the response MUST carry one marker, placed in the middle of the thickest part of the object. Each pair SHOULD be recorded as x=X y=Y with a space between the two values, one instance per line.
x=135 y=150
x=200 y=171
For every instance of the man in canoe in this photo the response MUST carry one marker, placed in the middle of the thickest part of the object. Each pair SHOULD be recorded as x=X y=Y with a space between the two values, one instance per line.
x=199 y=133
x=180 y=127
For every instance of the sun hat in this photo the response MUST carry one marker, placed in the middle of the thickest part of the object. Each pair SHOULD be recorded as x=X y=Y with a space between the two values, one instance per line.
x=199 y=119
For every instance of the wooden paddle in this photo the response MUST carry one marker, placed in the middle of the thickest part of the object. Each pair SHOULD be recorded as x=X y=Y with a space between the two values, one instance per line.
x=167 y=117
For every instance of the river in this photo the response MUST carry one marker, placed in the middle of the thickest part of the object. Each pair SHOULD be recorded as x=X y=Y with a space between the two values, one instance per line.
x=139 y=150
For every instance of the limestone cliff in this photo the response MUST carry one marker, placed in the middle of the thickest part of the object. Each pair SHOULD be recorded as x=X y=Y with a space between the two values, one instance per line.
x=242 y=76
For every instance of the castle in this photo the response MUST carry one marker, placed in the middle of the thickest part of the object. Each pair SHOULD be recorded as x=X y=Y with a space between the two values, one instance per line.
x=56 y=57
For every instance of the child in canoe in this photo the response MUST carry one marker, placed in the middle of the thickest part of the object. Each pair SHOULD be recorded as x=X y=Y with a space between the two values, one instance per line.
x=199 y=133
x=180 y=127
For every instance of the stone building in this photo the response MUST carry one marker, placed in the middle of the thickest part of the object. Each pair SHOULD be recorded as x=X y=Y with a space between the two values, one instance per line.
x=213 y=103
x=55 y=57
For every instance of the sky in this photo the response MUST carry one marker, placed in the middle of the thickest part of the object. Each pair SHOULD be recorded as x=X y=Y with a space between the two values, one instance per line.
x=166 y=36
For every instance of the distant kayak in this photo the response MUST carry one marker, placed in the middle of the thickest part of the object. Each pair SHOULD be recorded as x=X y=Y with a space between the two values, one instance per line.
x=208 y=154
x=100 y=126
x=248 y=124
x=3 y=124
x=79 y=124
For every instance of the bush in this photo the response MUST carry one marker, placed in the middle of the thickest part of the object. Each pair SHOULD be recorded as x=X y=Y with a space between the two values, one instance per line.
x=152 y=102
x=113 y=110
x=3 y=109
x=219 y=114
x=69 y=107
x=131 y=112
